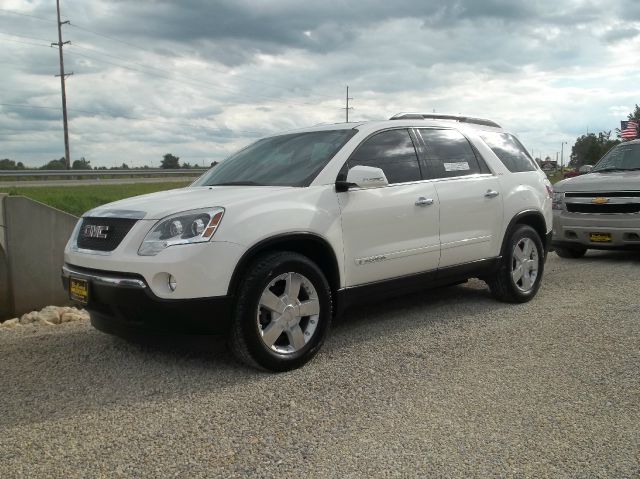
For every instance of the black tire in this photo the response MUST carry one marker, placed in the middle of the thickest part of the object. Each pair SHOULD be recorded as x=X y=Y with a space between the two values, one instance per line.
x=570 y=252
x=245 y=336
x=502 y=285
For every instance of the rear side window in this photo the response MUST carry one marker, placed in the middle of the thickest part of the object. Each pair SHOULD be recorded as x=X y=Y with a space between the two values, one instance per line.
x=393 y=152
x=510 y=151
x=449 y=154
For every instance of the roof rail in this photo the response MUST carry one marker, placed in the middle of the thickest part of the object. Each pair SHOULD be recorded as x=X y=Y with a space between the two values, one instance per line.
x=430 y=116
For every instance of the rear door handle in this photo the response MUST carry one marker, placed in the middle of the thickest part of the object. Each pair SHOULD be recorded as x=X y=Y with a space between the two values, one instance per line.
x=422 y=201
x=491 y=194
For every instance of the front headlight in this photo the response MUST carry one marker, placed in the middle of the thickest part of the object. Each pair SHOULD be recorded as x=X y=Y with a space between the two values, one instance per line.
x=558 y=199
x=188 y=227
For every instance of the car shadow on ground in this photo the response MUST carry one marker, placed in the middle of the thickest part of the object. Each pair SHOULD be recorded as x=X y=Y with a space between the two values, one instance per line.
x=618 y=256
x=62 y=374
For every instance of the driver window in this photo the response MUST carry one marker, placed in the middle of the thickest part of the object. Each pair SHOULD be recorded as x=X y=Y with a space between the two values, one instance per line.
x=392 y=151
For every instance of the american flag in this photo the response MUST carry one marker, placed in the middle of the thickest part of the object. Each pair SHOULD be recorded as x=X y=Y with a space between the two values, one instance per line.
x=628 y=130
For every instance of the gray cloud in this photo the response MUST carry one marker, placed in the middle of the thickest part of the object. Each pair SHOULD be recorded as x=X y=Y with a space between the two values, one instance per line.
x=617 y=34
x=213 y=74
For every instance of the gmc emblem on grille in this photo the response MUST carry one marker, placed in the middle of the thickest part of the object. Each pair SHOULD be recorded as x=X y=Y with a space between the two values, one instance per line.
x=95 y=231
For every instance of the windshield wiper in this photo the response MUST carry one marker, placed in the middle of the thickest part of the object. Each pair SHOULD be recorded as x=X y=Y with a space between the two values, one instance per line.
x=238 y=183
x=607 y=169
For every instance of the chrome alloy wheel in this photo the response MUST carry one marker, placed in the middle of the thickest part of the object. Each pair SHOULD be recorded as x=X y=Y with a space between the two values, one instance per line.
x=288 y=313
x=524 y=264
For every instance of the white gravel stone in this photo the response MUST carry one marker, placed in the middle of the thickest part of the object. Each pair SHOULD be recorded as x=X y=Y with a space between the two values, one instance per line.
x=446 y=383
x=48 y=316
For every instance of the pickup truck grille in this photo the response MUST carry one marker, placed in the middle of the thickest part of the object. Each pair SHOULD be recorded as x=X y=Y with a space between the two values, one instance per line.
x=603 y=202
x=604 y=194
x=107 y=234
x=606 y=208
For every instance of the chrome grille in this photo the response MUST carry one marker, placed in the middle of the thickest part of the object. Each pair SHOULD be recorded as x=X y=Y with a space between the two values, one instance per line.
x=603 y=202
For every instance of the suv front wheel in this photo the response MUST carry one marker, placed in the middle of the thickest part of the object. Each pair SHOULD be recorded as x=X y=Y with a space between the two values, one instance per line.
x=283 y=312
x=520 y=272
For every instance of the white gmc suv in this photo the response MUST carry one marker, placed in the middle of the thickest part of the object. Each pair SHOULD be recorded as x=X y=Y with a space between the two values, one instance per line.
x=279 y=238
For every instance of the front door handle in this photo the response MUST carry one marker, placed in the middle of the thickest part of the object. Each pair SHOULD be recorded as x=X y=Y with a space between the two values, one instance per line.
x=422 y=201
x=491 y=194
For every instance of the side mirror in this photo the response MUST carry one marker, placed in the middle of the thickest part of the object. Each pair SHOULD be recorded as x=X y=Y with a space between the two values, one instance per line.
x=363 y=177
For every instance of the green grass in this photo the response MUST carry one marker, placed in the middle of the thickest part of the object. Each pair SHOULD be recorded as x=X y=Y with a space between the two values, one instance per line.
x=78 y=199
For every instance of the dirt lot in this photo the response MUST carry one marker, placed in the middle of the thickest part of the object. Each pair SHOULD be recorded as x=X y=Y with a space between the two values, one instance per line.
x=446 y=383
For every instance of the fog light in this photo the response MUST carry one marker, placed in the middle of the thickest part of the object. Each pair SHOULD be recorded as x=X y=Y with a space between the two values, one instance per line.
x=173 y=284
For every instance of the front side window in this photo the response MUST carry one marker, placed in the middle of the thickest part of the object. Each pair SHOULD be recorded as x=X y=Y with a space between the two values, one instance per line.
x=620 y=158
x=392 y=151
x=509 y=150
x=285 y=160
x=449 y=154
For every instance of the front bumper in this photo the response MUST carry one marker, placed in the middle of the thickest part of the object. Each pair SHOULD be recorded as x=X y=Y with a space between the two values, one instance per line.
x=123 y=304
x=575 y=229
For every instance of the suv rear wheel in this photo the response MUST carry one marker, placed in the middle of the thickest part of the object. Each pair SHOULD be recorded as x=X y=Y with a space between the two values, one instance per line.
x=283 y=312
x=520 y=273
x=571 y=252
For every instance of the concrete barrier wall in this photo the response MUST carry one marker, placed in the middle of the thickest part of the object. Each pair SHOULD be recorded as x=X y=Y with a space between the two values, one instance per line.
x=6 y=306
x=34 y=239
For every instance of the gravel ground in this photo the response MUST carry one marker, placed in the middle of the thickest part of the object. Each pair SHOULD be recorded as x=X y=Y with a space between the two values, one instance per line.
x=446 y=383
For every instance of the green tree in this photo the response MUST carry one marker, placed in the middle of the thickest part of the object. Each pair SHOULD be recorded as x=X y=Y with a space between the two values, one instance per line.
x=81 y=164
x=8 y=164
x=55 y=165
x=588 y=149
x=170 y=161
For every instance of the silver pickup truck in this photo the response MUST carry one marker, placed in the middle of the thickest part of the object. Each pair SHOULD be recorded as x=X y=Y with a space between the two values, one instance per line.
x=600 y=210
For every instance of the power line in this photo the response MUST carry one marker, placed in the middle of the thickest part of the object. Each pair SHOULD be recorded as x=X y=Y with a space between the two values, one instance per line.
x=26 y=43
x=199 y=83
x=347 y=107
x=212 y=69
x=14 y=12
x=63 y=76
x=115 y=39
x=170 y=78
x=24 y=36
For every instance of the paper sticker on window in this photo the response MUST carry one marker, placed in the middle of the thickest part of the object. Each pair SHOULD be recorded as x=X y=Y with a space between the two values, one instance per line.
x=460 y=166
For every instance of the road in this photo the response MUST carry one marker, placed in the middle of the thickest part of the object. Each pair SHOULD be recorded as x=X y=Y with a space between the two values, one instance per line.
x=447 y=383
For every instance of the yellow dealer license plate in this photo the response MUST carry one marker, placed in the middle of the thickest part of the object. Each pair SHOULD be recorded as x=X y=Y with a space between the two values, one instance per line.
x=600 y=237
x=79 y=290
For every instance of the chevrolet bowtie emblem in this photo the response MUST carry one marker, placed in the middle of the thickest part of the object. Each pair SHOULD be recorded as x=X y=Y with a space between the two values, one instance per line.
x=600 y=200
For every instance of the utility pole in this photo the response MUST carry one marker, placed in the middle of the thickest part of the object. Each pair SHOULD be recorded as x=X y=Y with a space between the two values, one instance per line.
x=562 y=154
x=63 y=76
x=347 y=108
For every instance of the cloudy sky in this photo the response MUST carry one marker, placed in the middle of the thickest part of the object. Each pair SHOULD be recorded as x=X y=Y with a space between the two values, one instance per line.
x=201 y=78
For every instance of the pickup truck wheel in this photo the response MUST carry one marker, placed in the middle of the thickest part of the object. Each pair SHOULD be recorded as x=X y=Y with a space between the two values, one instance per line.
x=282 y=314
x=520 y=272
x=573 y=252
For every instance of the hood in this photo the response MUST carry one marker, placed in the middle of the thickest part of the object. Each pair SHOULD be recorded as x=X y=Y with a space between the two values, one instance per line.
x=610 y=181
x=155 y=206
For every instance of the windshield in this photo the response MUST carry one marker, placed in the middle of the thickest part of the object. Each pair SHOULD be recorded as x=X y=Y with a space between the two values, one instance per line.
x=285 y=160
x=620 y=158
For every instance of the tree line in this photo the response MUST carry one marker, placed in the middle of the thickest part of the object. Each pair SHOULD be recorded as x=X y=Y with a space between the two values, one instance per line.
x=169 y=161
x=589 y=148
